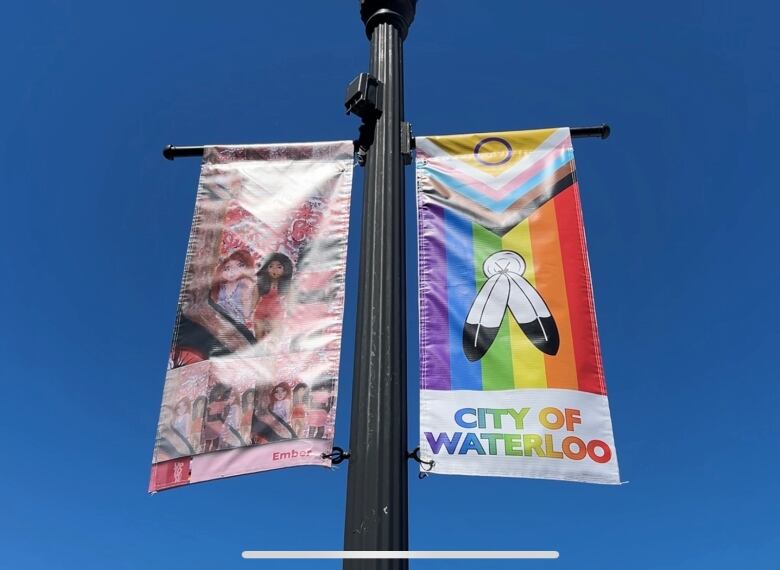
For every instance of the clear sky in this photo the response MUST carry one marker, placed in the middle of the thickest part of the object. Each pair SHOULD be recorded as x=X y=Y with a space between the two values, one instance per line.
x=680 y=207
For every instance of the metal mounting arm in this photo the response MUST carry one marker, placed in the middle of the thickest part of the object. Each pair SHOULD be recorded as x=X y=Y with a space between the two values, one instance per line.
x=602 y=131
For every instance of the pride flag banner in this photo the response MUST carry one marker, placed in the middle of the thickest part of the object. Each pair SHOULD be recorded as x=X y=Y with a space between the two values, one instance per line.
x=252 y=376
x=511 y=377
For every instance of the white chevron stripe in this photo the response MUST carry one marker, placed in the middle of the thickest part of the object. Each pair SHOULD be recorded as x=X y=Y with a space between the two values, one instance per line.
x=434 y=154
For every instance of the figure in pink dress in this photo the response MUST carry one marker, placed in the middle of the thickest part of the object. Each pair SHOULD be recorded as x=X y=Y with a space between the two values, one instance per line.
x=300 y=404
x=321 y=401
x=273 y=282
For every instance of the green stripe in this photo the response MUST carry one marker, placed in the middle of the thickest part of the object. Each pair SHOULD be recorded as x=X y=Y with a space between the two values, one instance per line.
x=497 y=362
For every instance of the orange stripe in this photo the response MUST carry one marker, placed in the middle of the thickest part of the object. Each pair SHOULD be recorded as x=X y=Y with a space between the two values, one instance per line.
x=561 y=369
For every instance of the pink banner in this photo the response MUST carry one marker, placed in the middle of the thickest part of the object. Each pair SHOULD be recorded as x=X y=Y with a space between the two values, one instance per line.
x=252 y=376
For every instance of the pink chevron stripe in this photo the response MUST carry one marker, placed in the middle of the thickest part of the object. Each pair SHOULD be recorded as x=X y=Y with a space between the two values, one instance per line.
x=499 y=192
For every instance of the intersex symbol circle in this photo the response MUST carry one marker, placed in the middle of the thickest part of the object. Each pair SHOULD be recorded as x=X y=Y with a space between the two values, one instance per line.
x=487 y=140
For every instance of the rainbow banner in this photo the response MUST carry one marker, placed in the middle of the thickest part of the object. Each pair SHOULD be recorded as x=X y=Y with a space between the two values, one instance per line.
x=511 y=377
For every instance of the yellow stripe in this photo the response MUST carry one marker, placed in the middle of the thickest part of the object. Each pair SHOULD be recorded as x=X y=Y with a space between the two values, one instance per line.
x=527 y=360
x=492 y=153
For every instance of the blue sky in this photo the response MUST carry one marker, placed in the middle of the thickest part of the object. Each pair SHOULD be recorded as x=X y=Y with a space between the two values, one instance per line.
x=680 y=206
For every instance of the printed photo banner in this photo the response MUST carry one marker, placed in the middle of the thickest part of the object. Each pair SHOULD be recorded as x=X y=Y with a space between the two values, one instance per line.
x=510 y=366
x=252 y=377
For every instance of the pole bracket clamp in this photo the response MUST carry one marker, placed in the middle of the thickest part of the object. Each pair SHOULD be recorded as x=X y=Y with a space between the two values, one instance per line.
x=407 y=142
x=336 y=456
x=415 y=455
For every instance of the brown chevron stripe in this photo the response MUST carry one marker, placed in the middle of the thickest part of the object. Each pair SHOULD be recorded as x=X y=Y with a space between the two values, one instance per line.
x=501 y=222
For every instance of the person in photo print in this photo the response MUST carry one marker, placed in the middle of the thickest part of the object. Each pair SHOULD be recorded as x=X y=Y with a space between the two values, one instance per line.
x=217 y=411
x=273 y=282
x=267 y=427
x=170 y=443
x=196 y=427
x=321 y=400
x=300 y=398
x=182 y=418
x=233 y=287
x=231 y=436
x=247 y=411
x=199 y=334
x=281 y=406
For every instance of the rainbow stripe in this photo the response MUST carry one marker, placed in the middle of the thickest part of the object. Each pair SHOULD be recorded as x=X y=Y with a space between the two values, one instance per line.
x=458 y=232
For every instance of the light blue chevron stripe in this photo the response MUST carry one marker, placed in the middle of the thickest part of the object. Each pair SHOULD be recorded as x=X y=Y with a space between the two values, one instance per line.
x=502 y=204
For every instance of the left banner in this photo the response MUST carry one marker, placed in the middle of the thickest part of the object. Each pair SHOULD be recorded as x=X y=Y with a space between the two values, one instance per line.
x=253 y=370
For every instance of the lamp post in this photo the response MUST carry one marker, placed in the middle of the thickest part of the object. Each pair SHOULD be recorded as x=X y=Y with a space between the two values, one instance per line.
x=377 y=496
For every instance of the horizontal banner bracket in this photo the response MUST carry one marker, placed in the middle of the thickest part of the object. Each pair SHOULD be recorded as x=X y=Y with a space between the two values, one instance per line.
x=171 y=152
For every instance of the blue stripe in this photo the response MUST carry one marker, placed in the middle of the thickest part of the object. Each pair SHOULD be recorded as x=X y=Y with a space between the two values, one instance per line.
x=500 y=205
x=534 y=181
x=461 y=290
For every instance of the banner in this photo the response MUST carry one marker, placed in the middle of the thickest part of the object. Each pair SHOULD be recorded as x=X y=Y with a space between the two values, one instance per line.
x=511 y=377
x=252 y=378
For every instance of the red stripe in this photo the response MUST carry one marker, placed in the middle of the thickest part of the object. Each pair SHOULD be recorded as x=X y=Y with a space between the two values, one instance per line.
x=587 y=352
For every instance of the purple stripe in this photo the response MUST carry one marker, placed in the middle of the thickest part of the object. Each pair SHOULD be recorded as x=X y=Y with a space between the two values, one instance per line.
x=434 y=326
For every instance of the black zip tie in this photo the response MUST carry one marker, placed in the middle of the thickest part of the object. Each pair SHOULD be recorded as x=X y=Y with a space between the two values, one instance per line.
x=416 y=456
x=336 y=456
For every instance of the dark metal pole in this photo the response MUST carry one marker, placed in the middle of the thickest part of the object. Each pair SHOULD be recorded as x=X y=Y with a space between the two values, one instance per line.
x=377 y=511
